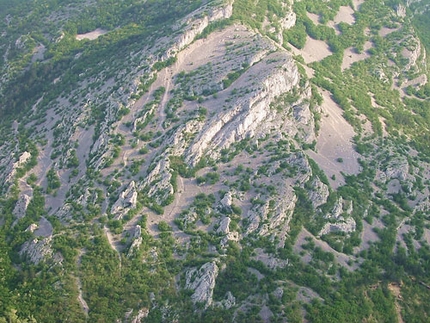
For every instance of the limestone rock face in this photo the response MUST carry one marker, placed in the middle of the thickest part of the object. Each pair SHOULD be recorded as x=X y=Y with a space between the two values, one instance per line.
x=228 y=302
x=65 y=212
x=340 y=219
x=251 y=116
x=196 y=26
x=319 y=193
x=288 y=21
x=280 y=215
x=349 y=225
x=202 y=281
x=398 y=170
x=21 y=206
x=37 y=250
x=341 y=206
x=158 y=181
x=224 y=226
x=227 y=201
x=31 y=228
x=413 y=55
x=400 y=11
x=278 y=293
x=143 y=313
x=19 y=163
x=126 y=201
x=231 y=236
x=137 y=241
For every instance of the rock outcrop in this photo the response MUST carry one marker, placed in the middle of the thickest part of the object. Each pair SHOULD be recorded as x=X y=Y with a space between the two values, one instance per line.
x=158 y=182
x=319 y=193
x=340 y=218
x=37 y=250
x=136 y=241
x=25 y=156
x=202 y=282
x=252 y=115
x=127 y=200
x=228 y=302
x=141 y=315
x=195 y=27
x=21 y=206
x=224 y=226
x=347 y=226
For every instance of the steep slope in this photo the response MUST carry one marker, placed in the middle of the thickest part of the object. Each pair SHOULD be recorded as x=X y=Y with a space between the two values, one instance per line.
x=215 y=160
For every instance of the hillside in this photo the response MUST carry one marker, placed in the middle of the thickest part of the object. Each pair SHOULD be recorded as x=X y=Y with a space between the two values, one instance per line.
x=214 y=161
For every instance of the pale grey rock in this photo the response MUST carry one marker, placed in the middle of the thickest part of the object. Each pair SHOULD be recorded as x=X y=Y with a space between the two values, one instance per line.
x=178 y=141
x=137 y=241
x=231 y=236
x=100 y=143
x=400 y=10
x=304 y=117
x=143 y=313
x=337 y=209
x=254 y=219
x=39 y=249
x=341 y=207
x=281 y=213
x=319 y=193
x=224 y=226
x=189 y=219
x=288 y=21
x=269 y=259
x=300 y=160
x=127 y=200
x=265 y=313
x=399 y=169
x=228 y=302
x=158 y=180
x=20 y=42
x=21 y=206
x=25 y=156
x=278 y=292
x=202 y=282
x=414 y=54
x=196 y=26
x=87 y=198
x=347 y=226
x=227 y=201
x=31 y=228
x=380 y=74
x=65 y=212
x=143 y=118
x=283 y=210
x=251 y=115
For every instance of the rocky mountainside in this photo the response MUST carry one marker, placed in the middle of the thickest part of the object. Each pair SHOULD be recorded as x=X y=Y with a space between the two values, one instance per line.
x=202 y=161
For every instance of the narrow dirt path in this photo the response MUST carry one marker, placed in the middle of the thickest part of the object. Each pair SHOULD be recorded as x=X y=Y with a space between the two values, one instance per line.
x=113 y=244
x=167 y=83
x=81 y=299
